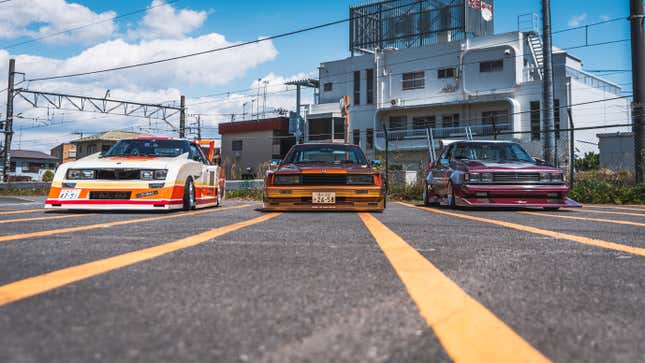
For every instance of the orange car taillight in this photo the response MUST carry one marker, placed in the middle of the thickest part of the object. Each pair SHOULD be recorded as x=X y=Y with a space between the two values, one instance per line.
x=378 y=180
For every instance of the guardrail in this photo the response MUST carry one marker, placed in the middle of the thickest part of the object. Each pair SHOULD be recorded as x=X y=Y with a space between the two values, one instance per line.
x=250 y=184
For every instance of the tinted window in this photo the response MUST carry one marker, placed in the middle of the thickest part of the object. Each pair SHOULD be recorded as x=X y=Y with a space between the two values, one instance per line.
x=489 y=151
x=150 y=147
x=324 y=153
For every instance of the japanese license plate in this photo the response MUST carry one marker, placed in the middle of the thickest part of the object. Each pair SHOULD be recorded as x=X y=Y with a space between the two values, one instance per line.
x=323 y=198
x=69 y=194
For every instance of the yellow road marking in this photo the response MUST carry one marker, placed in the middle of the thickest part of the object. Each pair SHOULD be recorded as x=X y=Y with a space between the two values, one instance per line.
x=23 y=211
x=585 y=219
x=595 y=206
x=109 y=224
x=44 y=218
x=38 y=284
x=467 y=330
x=584 y=240
x=608 y=212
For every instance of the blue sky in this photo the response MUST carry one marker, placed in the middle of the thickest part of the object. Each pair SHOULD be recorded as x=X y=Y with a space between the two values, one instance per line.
x=239 y=21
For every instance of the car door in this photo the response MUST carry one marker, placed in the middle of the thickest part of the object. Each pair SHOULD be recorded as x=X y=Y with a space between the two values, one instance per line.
x=442 y=171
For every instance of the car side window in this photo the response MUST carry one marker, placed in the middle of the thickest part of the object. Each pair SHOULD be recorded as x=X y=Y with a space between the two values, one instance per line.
x=447 y=153
x=196 y=154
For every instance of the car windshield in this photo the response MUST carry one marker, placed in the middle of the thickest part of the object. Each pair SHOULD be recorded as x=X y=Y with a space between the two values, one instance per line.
x=170 y=148
x=490 y=151
x=329 y=154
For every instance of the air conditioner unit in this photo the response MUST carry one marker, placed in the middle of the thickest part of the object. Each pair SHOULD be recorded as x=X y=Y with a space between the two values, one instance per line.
x=395 y=102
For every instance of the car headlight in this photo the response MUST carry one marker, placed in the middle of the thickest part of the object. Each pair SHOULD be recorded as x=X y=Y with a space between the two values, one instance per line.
x=161 y=174
x=557 y=178
x=76 y=174
x=545 y=177
x=363 y=179
x=286 y=179
x=147 y=174
x=487 y=177
x=472 y=177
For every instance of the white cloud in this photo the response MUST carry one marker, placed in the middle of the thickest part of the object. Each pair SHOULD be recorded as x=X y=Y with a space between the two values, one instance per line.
x=162 y=21
x=577 y=19
x=34 y=18
x=604 y=17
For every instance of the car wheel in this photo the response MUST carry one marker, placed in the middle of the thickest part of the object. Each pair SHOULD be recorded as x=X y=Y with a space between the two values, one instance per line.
x=451 y=196
x=425 y=194
x=189 y=194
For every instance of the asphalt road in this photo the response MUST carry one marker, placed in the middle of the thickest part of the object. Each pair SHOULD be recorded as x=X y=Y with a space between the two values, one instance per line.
x=408 y=285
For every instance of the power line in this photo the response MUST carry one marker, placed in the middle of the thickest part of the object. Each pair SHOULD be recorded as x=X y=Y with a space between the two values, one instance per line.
x=232 y=46
x=87 y=25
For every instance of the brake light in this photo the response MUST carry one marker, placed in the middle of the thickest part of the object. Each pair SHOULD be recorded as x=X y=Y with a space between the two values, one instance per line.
x=378 y=179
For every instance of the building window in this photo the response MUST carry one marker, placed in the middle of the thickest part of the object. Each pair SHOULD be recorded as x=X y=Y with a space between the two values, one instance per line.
x=357 y=88
x=535 y=120
x=413 y=80
x=91 y=149
x=327 y=87
x=427 y=122
x=397 y=123
x=491 y=66
x=356 y=134
x=369 y=139
x=369 y=83
x=71 y=154
x=556 y=118
x=236 y=145
x=446 y=73
x=450 y=120
x=79 y=149
x=498 y=120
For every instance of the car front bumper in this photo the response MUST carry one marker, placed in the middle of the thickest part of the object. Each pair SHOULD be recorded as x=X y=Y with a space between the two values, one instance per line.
x=519 y=196
x=143 y=195
x=348 y=198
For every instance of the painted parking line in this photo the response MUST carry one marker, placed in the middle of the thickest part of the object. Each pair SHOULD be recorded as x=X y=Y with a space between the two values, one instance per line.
x=111 y=224
x=45 y=218
x=571 y=237
x=585 y=219
x=596 y=206
x=21 y=211
x=466 y=329
x=607 y=212
x=39 y=284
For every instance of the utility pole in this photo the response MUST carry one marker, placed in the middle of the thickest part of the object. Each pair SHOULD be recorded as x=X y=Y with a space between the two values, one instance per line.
x=199 y=127
x=638 y=84
x=547 y=94
x=182 y=117
x=8 y=125
x=257 y=117
x=298 y=131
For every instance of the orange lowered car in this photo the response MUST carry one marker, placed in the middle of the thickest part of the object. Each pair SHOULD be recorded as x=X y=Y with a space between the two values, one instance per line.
x=324 y=177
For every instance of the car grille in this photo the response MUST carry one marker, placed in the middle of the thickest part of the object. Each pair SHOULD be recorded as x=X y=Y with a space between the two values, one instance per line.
x=118 y=174
x=324 y=179
x=109 y=195
x=514 y=178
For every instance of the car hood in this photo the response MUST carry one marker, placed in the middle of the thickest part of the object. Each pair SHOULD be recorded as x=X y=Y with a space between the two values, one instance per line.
x=123 y=162
x=326 y=168
x=516 y=165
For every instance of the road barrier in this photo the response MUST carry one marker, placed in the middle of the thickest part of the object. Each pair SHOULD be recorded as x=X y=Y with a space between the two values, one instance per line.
x=250 y=184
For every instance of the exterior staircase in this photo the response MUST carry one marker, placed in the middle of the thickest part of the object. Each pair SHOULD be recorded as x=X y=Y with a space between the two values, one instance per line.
x=535 y=44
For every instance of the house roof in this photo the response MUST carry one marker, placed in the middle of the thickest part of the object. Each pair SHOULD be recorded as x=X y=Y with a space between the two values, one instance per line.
x=31 y=154
x=112 y=136
x=277 y=123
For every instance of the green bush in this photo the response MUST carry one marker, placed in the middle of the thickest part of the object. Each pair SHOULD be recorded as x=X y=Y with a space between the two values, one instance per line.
x=48 y=176
x=403 y=191
x=607 y=187
x=244 y=194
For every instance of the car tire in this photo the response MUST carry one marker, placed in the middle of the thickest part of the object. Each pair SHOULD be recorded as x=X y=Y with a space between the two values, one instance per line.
x=451 y=197
x=189 y=195
x=426 y=198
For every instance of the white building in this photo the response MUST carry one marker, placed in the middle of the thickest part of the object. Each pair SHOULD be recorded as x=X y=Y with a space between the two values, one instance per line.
x=492 y=83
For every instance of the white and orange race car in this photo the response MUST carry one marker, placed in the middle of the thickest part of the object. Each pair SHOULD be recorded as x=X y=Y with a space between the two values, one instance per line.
x=148 y=173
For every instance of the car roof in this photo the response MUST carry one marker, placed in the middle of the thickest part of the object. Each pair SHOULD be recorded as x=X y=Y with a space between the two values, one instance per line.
x=448 y=142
